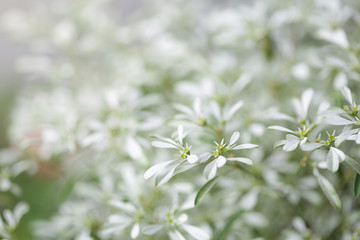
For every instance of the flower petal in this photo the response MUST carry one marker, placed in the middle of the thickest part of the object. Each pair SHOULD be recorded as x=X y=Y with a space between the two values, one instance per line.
x=245 y=146
x=242 y=160
x=156 y=169
x=220 y=161
x=192 y=158
x=234 y=137
x=210 y=170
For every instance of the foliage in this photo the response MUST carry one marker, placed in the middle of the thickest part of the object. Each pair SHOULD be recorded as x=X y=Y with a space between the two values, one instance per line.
x=187 y=120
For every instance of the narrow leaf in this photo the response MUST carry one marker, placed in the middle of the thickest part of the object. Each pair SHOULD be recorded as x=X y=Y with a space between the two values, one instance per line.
x=354 y=164
x=234 y=138
x=160 y=144
x=338 y=121
x=279 y=128
x=245 y=146
x=196 y=232
x=241 y=159
x=225 y=230
x=204 y=190
x=328 y=190
x=357 y=186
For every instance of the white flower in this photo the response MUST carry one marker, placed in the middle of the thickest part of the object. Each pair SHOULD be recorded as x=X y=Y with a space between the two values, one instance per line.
x=219 y=158
x=11 y=219
x=164 y=171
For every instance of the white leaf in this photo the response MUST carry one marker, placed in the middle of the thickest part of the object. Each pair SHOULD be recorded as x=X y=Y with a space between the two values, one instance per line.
x=339 y=153
x=344 y=136
x=204 y=157
x=233 y=110
x=127 y=207
x=310 y=146
x=216 y=110
x=337 y=36
x=220 y=161
x=242 y=160
x=305 y=100
x=234 y=137
x=196 y=232
x=210 y=170
x=281 y=116
x=192 y=158
x=298 y=108
x=133 y=148
x=181 y=133
x=151 y=229
x=184 y=109
x=160 y=144
x=119 y=220
x=110 y=230
x=291 y=144
x=299 y=224
x=358 y=138
x=176 y=235
x=20 y=210
x=322 y=165
x=328 y=189
x=347 y=95
x=244 y=146
x=168 y=176
x=135 y=231
x=283 y=129
x=249 y=200
x=338 y=121
x=279 y=143
x=9 y=218
x=156 y=168
x=340 y=81
x=332 y=160
x=168 y=140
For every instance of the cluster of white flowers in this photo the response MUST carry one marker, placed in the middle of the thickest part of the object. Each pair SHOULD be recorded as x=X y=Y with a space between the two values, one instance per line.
x=103 y=88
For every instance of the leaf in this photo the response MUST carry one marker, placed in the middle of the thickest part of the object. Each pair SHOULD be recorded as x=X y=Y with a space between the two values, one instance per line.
x=354 y=164
x=230 y=221
x=305 y=100
x=20 y=210
x=210 y=170
x=347 y=94
x=204 y=157
x=358 y=138
x=242 y=160
x=337 y=37
x=181 y=133
x=160 y=180
x=220 y=161
x=279 y=143
x=151 y=229
x=245 y=146
x=192 y=158
x=328 y=190
x=196 y=232
x=283 y=129
x=204 y=190
x=307 y=147
x=160 y=144
x=332 y=160
x=291 y=143
x=156 y=168
x=234 y=137
x=135 y=231
x=344 y=136
x=338 y=121
x=233 y=110
x=357 y=186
